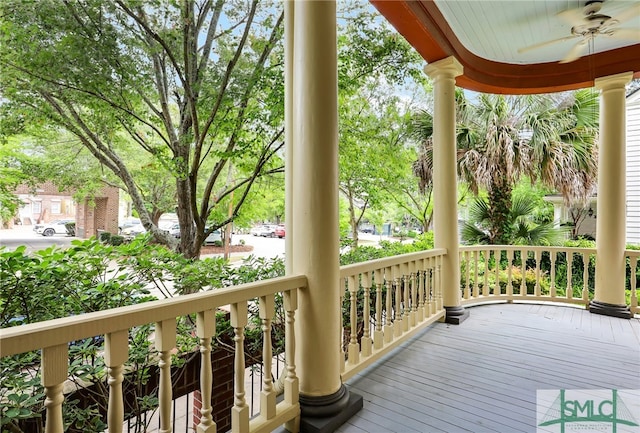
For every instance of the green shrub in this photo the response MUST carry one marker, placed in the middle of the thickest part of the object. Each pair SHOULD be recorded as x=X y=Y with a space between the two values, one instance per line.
x=116 y=240
x=105 y=237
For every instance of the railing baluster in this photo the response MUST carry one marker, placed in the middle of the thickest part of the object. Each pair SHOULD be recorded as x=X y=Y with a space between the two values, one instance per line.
x=552 y=289
x=406 y=308
x=165 y=343
x=240 y=409
x=397 y=313
x=291 y=388
x=633 y=263
x=291 y=380
x=496 y=256
x=354 y=349
x=510 y=274
x=389 y=325
x=585 y=278
x=378 y=335
x=205 y=330
x=420 y=286
x=55 y=365
x=428 y=286
x=413 y=316
x=467 y=287
x=267 y=395
x=365 y=341
x=476 y=282
x=485 y=286
x=523 y=283
x=438 y=284
x=569 y=293
x=116 y=352
x=537 y=255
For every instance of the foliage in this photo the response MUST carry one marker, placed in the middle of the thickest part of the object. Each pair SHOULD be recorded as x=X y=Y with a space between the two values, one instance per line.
x=191 y=87
x=422 y=242
x=520 y=225
x=501 y=139
x=15 y=168
x=91 y=276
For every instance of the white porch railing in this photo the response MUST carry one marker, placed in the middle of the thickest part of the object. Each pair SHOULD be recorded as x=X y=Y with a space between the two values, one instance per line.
x=52 y=338
x=558 y=274
x=388 y=300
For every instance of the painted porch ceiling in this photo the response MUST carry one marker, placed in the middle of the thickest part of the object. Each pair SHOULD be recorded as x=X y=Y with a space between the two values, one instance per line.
x=495 y=30
x=485 y=36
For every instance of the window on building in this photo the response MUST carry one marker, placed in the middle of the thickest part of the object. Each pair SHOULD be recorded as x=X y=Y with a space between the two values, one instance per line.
x=55 y=207
x=36 y=207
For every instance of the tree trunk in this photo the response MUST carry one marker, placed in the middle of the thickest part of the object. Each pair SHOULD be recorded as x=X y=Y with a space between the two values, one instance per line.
x=499 y=210
x=353 y=222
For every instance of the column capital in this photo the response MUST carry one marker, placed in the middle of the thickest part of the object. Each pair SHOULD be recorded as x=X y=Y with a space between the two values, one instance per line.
x=613 y=81
x=449 y=66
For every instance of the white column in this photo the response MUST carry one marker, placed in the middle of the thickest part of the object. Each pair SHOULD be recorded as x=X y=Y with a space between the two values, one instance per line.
x=445 y=181
x=315 y=236
x=611 y=223
x=288 y=132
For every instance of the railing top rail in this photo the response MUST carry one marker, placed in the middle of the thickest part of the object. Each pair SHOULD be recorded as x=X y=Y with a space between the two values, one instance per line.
x=632 y=253
x=372 y=265
x=472 y=248
x=55 y=332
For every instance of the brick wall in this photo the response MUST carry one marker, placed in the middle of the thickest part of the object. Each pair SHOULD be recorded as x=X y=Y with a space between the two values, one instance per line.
x=44 y=203
x=101 y=213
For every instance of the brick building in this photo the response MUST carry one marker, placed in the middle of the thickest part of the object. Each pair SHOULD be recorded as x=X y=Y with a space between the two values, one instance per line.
x=99 y=214
x=46 y=203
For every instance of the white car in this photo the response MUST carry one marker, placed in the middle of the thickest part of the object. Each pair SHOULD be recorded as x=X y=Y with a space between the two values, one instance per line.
x=133 y=231
x=56 y=227
x=266 y=231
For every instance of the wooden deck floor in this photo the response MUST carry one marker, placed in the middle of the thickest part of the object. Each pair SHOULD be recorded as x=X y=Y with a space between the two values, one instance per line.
x=482 y=376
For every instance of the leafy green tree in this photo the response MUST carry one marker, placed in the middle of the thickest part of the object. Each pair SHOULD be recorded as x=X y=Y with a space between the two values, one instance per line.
x=193 y=85
x=523 y=225
x=373 y=124
x=501 y=139
x=12 y=174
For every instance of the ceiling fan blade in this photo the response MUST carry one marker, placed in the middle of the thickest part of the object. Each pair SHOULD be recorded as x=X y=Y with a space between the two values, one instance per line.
x=632 y=34
x=627 y=14
x=576 y=51
x=544 y=44
x=572 y=16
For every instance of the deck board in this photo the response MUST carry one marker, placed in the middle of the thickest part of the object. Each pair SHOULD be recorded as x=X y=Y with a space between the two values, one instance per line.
x=482 y=376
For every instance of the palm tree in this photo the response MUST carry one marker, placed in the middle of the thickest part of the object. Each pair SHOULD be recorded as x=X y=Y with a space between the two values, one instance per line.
x=521 y=228
x=500 y=139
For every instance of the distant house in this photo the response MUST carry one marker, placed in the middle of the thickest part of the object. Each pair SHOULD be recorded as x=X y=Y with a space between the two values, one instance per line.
x=633 y=167
x=46 y=203
x=584 y=218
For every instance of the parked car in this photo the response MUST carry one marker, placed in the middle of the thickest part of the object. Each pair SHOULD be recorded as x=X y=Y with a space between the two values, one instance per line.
x=133 y=231
x=267 y=231
x=255 y=231
x=128 y=222
x=56 y=227
x=215 y=237
x=280 y=231
x=174 y=230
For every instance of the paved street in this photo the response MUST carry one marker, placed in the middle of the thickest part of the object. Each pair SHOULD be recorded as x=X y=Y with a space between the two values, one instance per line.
x=262 y=247
x=24 y=235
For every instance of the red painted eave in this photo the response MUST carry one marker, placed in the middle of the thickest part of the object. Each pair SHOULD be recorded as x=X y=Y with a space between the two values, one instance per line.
x=424 y=27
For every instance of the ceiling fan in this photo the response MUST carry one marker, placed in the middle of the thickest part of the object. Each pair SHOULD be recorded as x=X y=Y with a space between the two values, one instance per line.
x=588 y=23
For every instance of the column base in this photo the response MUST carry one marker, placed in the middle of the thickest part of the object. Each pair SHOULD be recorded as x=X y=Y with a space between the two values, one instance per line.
x=326 y=413
x=613 y=310
x=455 y=315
